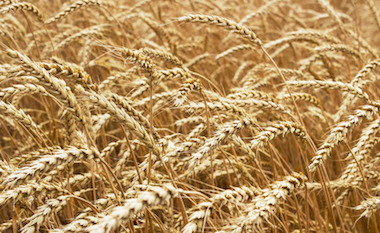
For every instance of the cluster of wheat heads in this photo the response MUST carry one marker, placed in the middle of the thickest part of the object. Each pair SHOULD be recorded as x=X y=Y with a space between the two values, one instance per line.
x=189 y=116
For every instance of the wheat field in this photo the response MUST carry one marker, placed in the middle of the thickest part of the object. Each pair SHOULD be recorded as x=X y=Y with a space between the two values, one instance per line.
x=189 y=116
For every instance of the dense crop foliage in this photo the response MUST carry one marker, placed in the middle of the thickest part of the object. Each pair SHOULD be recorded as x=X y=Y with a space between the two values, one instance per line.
x=189 y=116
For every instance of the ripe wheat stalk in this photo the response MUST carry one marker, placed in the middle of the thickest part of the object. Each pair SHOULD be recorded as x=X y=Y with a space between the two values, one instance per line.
x=189 y=116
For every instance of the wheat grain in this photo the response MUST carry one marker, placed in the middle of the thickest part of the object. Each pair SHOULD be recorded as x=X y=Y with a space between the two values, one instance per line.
x=369 y=206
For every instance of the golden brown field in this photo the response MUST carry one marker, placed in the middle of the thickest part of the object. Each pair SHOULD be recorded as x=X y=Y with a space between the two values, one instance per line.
x=189 y=116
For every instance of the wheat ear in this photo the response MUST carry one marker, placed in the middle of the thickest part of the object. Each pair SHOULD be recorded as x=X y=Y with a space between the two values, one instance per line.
x=56 y=86
x=265 y=204
x=166 y=56
x=356 y=82
x=154 y=196
x=220 y=136
x=44 y=164
x=73 y=7
x=188 y=86
x=44 y=211
x=236 y=195
x=339 y=132
x=369 y=206
x=223 y=22
x=277 y=129
x=22 y=6
x=126 y=119
x=121 y=102
x=330 y=85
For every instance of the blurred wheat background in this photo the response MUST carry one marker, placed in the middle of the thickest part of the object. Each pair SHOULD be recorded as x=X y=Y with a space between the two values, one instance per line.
x=189 y=116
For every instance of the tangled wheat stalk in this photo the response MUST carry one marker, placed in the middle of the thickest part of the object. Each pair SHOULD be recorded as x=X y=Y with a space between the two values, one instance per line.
x=189 y=116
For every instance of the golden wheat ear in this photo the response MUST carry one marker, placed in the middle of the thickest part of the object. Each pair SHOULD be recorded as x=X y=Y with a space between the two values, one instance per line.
x=22 y=6
x=74 y=7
